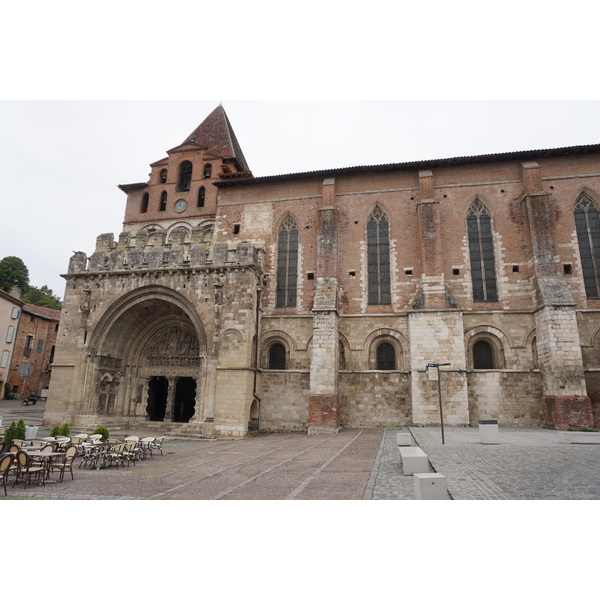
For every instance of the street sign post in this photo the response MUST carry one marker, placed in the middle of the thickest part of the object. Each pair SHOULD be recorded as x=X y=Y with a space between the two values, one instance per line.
x=437 y=366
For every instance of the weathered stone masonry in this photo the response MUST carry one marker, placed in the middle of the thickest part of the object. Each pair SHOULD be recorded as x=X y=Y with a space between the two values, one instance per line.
x=179 y=322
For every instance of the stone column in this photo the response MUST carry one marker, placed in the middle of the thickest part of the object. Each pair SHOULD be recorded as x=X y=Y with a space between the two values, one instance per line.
x=170 y=399
x=565 y=402
x=323 y=407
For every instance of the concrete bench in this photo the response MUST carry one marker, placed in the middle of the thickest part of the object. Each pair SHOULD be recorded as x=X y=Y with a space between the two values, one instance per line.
x=488 y=431
x=403 y=439
x=578 y=437
x=414 y=460
x=430 y=486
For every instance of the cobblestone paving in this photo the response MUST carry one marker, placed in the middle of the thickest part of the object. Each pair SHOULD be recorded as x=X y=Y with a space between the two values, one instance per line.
x=528 y=464
x=387 y=480
x=355 y=464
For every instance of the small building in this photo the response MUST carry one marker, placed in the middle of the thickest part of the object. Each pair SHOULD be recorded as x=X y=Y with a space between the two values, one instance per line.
x=34 y=347
x=10 y=312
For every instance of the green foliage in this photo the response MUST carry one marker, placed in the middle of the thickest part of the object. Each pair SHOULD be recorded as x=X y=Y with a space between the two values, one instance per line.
x=11 y=434
x=65 y=430
x=43 y=296
x=55 y=431
x=21 y=431
x=103 y=431
x=13 y=272
x=8 y=390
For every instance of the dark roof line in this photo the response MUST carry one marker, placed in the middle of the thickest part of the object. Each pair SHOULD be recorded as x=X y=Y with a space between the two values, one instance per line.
x=437 y=162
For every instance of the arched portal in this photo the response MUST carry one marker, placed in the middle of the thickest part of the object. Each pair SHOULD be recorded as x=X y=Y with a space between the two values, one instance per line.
x=153 y=340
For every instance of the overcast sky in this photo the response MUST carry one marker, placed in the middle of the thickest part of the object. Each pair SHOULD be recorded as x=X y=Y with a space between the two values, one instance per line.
x=116 y=84
x=61 y=161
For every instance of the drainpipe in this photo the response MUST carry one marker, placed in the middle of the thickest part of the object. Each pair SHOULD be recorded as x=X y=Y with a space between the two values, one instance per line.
x=257 y=352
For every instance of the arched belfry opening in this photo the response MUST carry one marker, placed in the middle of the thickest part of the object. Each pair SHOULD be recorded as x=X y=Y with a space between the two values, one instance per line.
x=153 y=342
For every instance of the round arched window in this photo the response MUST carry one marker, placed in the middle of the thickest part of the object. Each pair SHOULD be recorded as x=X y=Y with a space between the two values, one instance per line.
x=277 y=357
x=386 y=357
x=483 y=355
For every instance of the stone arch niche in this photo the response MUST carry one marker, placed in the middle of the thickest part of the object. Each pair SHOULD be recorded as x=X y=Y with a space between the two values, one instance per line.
x=154 y=341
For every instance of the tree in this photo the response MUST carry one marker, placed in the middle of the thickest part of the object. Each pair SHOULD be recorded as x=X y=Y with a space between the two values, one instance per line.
x=13 y=272
x=42 y=296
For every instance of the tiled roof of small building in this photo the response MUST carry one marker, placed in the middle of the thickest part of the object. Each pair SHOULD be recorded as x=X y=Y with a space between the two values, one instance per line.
x=41 y=311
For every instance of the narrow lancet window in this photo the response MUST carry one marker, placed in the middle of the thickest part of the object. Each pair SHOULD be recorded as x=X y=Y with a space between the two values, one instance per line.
x=185 y=176
x=201 y=196
x=587 y=223
x=481 y=250
x=378 y=257
x=287 y=263
x=163 y=201
x=145 y=199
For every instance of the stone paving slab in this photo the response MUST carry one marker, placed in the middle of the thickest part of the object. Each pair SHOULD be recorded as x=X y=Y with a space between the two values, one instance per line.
x=527 y=464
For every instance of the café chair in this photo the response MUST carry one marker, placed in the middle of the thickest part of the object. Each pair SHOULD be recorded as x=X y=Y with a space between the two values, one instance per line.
x=66 y=464
x=25 y=468
x=5 y=468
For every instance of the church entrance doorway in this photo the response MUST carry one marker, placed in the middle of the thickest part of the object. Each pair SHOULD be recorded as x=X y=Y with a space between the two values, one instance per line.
x=185 y=400
x=158 y=389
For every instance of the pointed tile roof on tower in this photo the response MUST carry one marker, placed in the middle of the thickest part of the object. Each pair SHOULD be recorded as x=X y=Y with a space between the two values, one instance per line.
x=216 y=134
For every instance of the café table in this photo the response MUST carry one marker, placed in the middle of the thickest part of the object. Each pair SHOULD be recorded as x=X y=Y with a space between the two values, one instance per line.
x=45 y=458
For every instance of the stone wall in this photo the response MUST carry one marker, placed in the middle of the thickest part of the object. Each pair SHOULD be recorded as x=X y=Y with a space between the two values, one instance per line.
x=284 y=400
x=375 y=399
x=511 y=397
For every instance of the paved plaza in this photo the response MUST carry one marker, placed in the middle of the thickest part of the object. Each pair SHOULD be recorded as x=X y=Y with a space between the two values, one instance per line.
x=355 y=464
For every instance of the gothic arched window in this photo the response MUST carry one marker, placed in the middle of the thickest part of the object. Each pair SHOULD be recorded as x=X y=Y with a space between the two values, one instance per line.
x=185 y=176
x=163 y=201
x=481 y=250
x=587 y=224
x=201 y=196
x=287 y=263
x=207 y=171
x=277 y=356
x=386 y=357
x=145 y=199
x=163 y=176
x=378 y=257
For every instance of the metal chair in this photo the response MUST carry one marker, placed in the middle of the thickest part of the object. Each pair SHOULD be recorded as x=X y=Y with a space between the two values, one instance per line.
x=90 y=454
x=5 y=468
x=25 y=469
x=157 y=443
x=146 y=446
x=66 y=464
x=115 y=455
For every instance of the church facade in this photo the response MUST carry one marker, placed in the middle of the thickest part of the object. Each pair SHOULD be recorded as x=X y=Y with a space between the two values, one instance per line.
x=338 y=298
